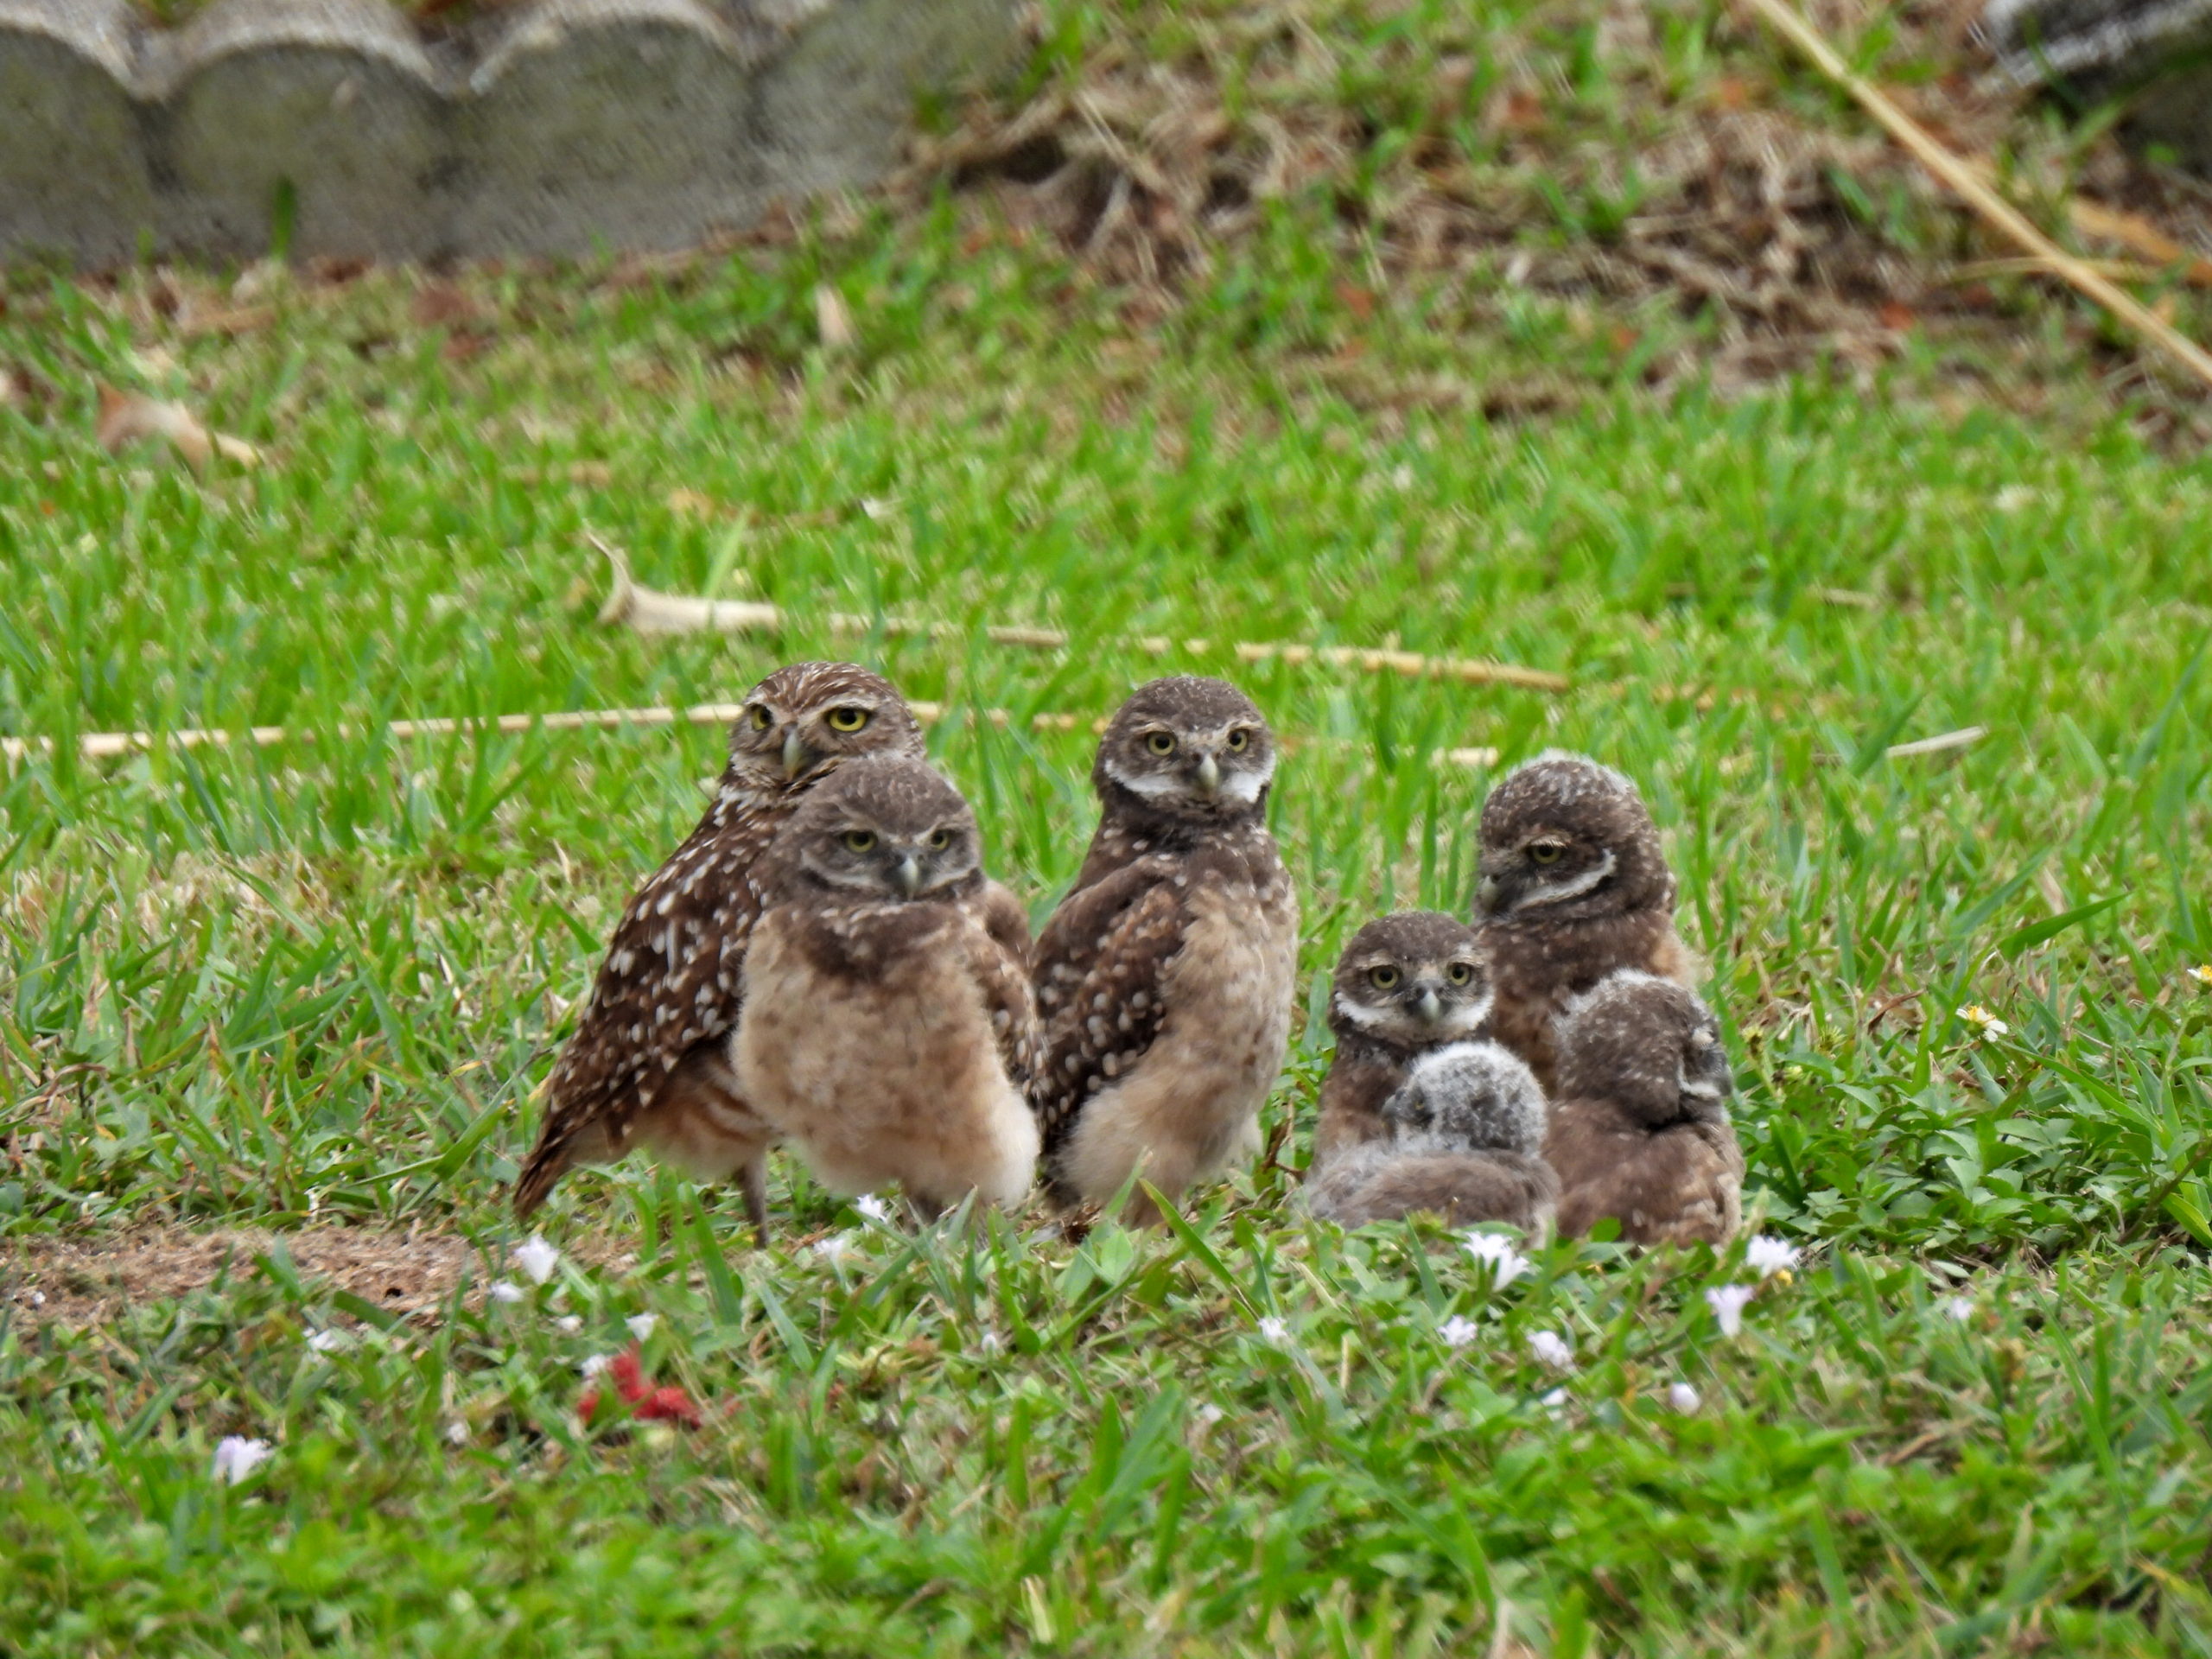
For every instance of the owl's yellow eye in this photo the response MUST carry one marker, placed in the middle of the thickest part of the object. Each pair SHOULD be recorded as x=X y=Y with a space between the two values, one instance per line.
x=858 y=841
x=1161 y=742
x=847 y=720
x=1546 y=852
x=1239 y=741
x=762 y=720
x=939 y=840
x=1459 y=972
x=1384 y=978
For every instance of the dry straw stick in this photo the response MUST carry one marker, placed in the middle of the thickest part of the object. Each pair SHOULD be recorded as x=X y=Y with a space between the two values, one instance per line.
x=651 y=611
x=1962 y=178
x=99 y=746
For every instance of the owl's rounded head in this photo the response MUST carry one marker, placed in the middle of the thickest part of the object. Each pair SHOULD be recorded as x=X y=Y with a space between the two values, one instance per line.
x=1190 y=748
x=1562 y=835
x=1645 y=1044
x=1413 y=980
x=880 y=828
x=808 y=718
x=1468 y=1097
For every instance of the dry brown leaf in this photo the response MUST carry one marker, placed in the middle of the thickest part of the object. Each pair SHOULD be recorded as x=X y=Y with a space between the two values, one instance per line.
x=234 y=320
x=591 y=474
x=127 y=417
x=689 y=503
x=833 y=318
x=442 y=305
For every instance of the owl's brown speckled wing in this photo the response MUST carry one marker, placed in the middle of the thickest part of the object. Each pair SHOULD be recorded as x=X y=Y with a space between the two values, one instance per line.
x=1100 y=964
x=670 y=984
x=1002 y=977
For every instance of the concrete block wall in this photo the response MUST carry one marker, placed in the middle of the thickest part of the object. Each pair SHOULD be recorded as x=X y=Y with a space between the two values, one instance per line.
x=553 y=127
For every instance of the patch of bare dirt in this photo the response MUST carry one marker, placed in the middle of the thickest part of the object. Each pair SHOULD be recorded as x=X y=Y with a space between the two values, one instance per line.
x=89 y=1279
x=1806 y=235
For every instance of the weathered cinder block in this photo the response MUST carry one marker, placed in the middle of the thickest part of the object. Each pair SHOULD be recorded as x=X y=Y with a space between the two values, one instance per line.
x=72 y=169
x=608 y=123
x=2155 y=55
x=333 y=102
x=837 y=99
x=583 y=124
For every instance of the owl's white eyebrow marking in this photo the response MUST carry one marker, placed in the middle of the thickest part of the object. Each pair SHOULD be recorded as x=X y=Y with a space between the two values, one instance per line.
x=1573 y=887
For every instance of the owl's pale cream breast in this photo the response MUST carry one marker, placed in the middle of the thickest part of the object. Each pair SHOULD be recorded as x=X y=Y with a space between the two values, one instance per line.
x=891 y=1072
x=1190 y=1104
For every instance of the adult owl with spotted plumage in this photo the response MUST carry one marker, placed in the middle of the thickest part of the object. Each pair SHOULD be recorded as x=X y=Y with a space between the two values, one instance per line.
x=1574 y=886
x=1165 y=977
x=649 y=1064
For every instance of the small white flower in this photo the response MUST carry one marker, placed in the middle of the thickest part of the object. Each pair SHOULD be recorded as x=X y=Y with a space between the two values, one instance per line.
x=1683 y=1398
x=1457 y=1332
x=832 y=1249
x=456 y=1433
x=569 y=1324
x=1768 y=1255
x=991 y=1343
x=1727 y=1305
x=1274 y=1329
x=1505 y=1263
x=38 y=1299
x=875 y=507
x=1208 y=1415
x=1555 y=1403
x=593 y=1365
x=1957 y=1309
x=237 y=1457
x=2201 y=974
x=499 y=1290
x=641 y=1325
x=1552 y=1348
x=328 y=1342
x=536 y=1259
x=1975 y=1015
x=872 y=1208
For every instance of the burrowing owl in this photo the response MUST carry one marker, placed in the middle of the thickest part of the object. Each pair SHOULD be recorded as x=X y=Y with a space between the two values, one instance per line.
x=646 y=1065
x=1574 y=885
x=889 y=1027
x=1414 y=1115
x=1639 y=1129
x=1405 y=984
x=1164 y=978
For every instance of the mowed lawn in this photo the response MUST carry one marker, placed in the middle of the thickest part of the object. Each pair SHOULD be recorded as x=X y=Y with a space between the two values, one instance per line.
x=311 y=987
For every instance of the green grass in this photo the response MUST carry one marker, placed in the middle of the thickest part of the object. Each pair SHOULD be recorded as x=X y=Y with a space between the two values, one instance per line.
x=239 y=987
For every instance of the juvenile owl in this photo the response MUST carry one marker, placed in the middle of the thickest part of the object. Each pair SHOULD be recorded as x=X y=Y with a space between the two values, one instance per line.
x=1164 y=978
x=889 y=1029
x=1405 y=985
x=1573 y=885
x=1639 y=1129
x=1460 y=1127
x=647 y=1065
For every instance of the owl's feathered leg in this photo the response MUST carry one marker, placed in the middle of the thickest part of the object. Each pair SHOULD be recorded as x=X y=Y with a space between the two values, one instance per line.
x=700 y=1125
x=754 y=1179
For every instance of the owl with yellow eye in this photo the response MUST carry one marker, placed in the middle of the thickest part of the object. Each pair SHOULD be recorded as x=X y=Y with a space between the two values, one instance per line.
x=649 y=1064
x=1574 y=887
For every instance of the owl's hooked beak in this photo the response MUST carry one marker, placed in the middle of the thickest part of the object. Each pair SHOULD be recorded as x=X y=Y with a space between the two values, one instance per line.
x=1209 y=774
x=907 y=874
x=1429 y=1004
x=797 y=758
